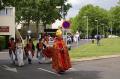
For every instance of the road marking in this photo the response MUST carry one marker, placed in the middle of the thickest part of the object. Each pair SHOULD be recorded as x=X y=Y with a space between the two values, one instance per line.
x=72 y=69
x=49 y=71
x=9 y=68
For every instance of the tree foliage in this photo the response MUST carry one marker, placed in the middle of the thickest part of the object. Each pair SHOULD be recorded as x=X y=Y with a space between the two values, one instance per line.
x=93 y=13
x=44 y=11
x=115 y=19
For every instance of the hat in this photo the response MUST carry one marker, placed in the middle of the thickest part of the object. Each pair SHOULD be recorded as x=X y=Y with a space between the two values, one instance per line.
x=58 y=32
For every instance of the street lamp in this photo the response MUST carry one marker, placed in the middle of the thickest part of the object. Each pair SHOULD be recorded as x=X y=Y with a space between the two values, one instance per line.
x=97 y=26
x=59 y=7
x=87 y=26
x=111 y=29
x=103 y=28
x=63 y=15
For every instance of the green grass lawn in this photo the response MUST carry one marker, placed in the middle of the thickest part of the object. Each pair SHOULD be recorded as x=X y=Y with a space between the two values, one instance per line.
x=109 y=46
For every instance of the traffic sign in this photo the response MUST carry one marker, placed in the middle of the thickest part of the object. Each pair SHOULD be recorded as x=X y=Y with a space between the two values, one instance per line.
x=66 y=24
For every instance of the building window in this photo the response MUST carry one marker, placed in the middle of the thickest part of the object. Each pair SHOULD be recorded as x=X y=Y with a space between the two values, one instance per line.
x=9 y=11
x=6 y=12
x=2 y=12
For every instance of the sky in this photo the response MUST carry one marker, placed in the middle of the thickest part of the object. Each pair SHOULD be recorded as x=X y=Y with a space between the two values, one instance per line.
x=78 y=4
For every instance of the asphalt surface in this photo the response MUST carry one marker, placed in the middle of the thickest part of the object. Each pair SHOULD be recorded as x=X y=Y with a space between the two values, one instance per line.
x=80 y=43
x=95 y=69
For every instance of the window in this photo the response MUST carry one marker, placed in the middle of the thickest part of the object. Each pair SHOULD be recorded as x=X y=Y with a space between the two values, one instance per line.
x=2 y=12
x=6 y=12
x=9 y=11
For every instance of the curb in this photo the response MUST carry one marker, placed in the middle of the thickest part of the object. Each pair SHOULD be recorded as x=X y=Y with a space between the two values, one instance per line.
x=95 y=58
x=86 y=59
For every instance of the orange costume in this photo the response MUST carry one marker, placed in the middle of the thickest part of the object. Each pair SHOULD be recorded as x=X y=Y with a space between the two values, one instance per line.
x=60 y=56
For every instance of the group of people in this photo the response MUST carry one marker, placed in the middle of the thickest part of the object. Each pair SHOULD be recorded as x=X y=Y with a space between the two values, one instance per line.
x=57 y=54
x=16 y=51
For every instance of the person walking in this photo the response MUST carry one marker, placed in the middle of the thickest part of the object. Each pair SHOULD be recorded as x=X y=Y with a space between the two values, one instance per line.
x=40 y=47
x=12 y=50
x=19 y=52
x=98 y=39
x=30 y=48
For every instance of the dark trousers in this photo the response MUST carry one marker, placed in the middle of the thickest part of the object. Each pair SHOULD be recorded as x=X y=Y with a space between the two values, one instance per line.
x=29 y=60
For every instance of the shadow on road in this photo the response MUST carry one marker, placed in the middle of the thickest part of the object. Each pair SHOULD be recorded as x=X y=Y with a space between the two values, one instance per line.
x=81 y=75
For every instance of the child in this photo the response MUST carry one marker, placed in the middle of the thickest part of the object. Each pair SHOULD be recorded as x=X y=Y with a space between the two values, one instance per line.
x=30 y=48
x=40 y=46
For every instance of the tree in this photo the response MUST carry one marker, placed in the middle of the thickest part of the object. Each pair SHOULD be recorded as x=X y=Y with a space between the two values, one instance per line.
x=92 y=13
x=115 y=19
x=37 y=11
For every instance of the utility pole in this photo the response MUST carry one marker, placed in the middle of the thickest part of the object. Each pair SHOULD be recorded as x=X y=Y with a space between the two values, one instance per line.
x=97 y=26
x=111 y=27
x=87 y=28
x=103 y=29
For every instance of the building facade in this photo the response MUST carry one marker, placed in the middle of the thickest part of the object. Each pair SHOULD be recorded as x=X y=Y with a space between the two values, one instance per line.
x=7 y=24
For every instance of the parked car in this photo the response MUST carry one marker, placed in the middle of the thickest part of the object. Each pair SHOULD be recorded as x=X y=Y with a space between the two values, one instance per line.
x=112 y=36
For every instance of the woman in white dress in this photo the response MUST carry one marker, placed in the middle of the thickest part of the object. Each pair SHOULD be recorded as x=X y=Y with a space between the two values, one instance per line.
x=12 y=50
x=19 y=52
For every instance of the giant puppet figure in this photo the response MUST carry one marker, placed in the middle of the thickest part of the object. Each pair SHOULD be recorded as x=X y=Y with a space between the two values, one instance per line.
x=60 y=56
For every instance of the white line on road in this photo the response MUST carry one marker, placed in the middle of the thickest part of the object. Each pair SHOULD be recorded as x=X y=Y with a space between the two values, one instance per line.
x=49 y=71
x=72 y=69
x=9 y=68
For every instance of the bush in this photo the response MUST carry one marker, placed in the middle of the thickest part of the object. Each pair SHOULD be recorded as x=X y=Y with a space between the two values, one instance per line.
x=2 y=42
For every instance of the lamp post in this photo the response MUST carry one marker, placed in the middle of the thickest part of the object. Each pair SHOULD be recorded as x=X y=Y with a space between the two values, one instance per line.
x=111 y=28
x=62 y=9
x=103 y=29
x=97 y=26
x=63 y=15
x=87 y=26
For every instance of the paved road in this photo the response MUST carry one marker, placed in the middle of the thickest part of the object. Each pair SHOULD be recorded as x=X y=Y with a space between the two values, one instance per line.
x=96 y=69
x=81 y=42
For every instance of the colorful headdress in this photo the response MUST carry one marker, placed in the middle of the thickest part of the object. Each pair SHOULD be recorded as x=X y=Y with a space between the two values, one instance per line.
x=58 y=32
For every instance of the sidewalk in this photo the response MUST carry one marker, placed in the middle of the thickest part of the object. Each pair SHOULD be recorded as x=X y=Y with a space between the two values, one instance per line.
x=5 y=55
x=95 y=58
x=4 y=51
